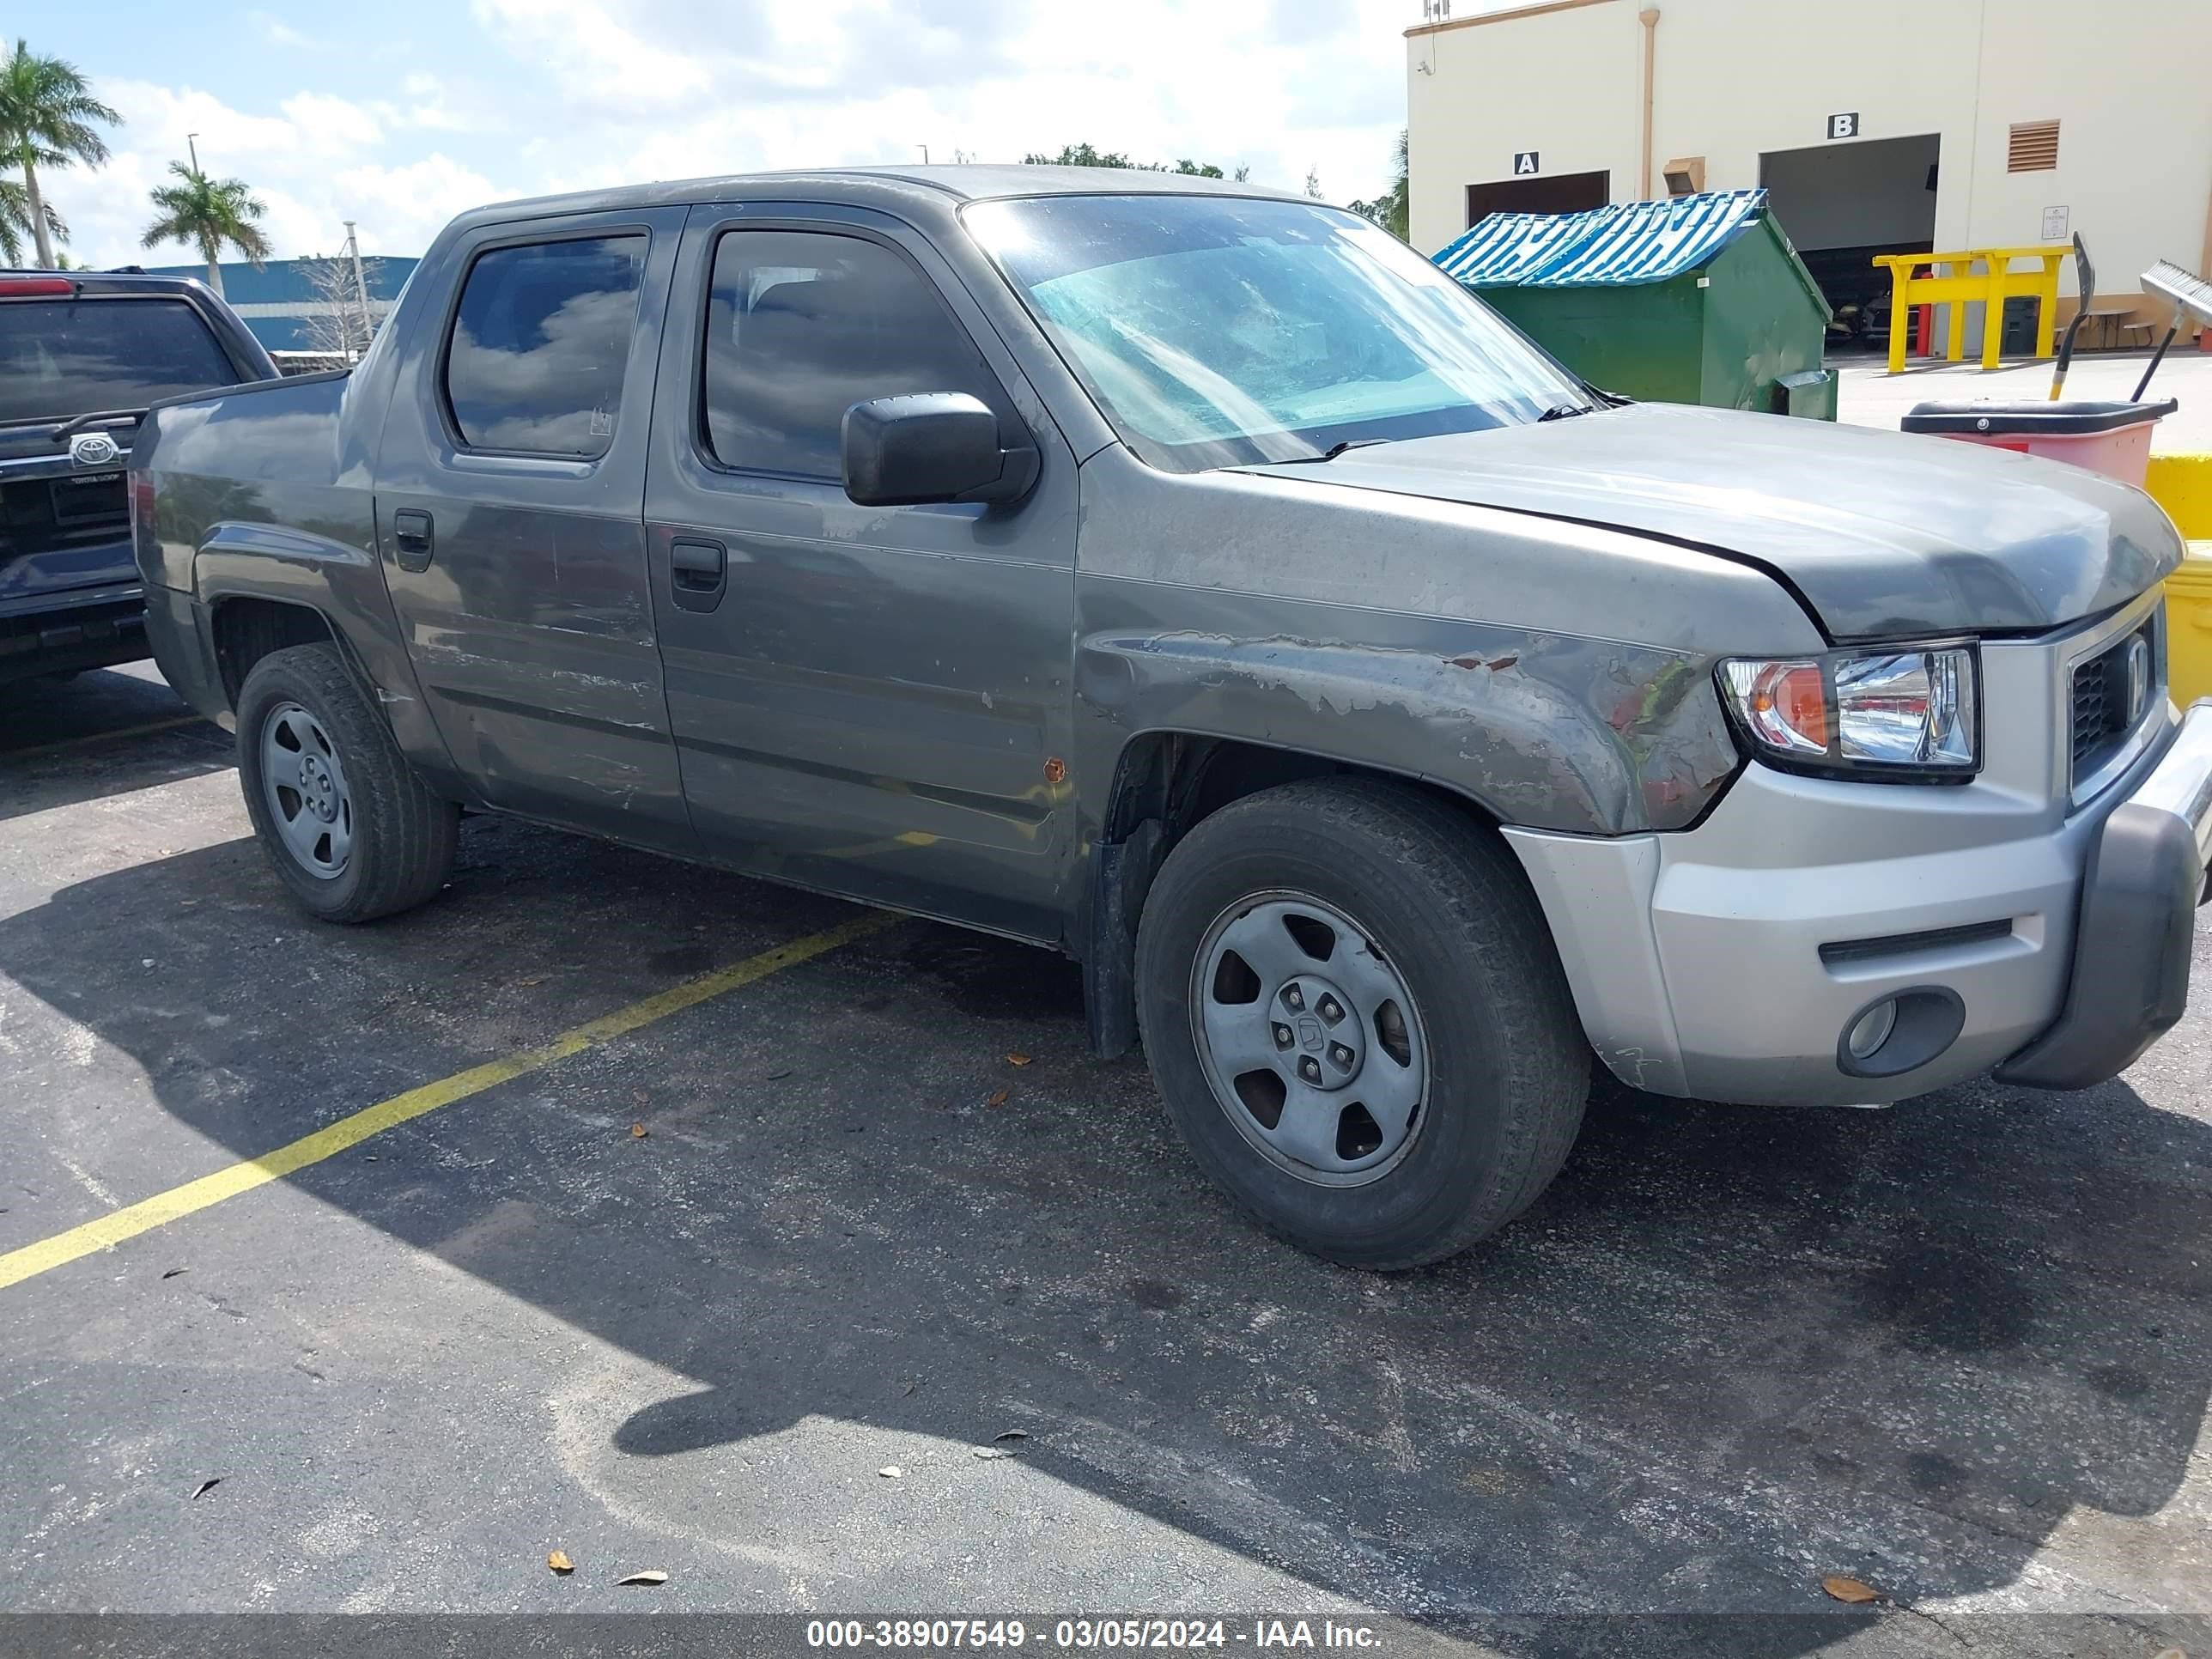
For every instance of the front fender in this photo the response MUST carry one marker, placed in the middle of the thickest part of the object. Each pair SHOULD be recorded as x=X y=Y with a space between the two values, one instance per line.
x=1544 y=731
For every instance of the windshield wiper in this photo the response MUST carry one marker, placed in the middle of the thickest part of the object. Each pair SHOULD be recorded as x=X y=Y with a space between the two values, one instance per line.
x=98 y=417
x=1564 y=412
x=1331 y=453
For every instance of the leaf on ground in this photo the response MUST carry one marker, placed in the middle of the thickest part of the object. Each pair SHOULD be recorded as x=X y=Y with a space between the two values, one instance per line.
x=1017 y=1060
x=890 y=1473
x=639 y=1096
x=207 y=1486
x=778 y=1076
x=1011 y=1434
x=174 y=1271
x=524 y=984
x=638 y=1132
x=559 y=1561
x=997 y=1098
x=912 y=1386
x=1849 y=1589
x=993 y=1451
x=650 y=1575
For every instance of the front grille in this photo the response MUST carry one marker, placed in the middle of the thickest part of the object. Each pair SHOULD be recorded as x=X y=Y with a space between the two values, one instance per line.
x=2105 y=687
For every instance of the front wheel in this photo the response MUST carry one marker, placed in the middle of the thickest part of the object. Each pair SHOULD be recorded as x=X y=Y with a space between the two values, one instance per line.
x=351 y=829
x=1354 y=1014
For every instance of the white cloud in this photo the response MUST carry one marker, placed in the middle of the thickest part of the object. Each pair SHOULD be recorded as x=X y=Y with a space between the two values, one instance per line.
x=320 y=163
x=331 y=125
x=532 y=96
x=841 y=81
x=399 y=208
x=278 y=32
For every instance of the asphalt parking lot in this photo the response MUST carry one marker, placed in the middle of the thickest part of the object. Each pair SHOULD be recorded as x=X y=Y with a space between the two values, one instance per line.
x=885 y=1208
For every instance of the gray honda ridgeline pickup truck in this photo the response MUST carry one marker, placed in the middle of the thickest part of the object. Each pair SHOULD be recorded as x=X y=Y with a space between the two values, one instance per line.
x=1197 y=581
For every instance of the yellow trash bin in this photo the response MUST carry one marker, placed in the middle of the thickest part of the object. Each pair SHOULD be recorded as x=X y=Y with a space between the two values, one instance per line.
x=2189 y=626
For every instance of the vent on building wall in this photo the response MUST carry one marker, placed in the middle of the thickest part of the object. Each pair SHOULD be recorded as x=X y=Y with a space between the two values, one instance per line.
x=2034 y=146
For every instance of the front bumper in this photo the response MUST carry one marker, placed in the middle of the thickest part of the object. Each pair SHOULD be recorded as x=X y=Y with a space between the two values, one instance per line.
x=1729 y=962
x=2149 y=871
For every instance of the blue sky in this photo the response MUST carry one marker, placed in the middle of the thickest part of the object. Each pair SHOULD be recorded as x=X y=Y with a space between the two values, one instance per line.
x=401 y=113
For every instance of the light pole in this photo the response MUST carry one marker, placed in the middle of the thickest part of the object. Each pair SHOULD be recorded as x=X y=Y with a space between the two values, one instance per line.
x=194 y=149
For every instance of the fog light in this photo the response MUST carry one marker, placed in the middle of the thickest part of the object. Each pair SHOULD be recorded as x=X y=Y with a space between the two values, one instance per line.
x=1871 y=1030
x=1900 y=1032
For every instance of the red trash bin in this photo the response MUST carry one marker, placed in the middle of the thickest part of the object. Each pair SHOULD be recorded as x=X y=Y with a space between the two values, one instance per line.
x=2110 y=438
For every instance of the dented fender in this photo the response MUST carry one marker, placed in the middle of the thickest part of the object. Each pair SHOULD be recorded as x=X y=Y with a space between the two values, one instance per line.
x=1540 y=729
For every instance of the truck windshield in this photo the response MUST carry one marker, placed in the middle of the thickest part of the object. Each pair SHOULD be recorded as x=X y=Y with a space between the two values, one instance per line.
x=1222 y=331
x=60 y=358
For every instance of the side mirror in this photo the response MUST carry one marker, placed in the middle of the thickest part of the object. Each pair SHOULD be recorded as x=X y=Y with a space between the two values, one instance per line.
x=934 y=446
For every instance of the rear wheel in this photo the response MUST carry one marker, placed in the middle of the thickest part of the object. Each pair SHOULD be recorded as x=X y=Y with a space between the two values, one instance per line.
x=1355 y=1017
x=351 y=829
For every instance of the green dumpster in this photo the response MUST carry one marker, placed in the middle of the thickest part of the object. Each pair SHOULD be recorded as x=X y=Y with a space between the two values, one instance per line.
x=1695 y=300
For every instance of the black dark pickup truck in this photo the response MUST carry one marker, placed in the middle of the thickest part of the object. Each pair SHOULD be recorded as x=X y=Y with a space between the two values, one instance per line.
x=83 y=354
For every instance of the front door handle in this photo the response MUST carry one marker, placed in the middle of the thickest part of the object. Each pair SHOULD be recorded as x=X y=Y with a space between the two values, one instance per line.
x=697 y=571
x=412 y=535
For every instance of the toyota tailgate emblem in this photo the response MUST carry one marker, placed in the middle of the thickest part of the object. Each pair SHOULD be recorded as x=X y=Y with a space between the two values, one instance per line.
x=92 y=449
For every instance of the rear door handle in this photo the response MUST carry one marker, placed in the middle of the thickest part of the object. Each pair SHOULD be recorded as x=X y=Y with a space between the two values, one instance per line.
x=413 y=535
x=696 y=572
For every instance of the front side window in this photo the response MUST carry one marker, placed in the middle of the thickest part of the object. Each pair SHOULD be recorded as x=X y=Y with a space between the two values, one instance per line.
x=540 y=343
x=803 y=324
x=1226 y=330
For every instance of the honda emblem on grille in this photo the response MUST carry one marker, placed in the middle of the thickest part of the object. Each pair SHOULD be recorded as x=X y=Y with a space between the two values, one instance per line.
x=2138 y=679
x=92 y=449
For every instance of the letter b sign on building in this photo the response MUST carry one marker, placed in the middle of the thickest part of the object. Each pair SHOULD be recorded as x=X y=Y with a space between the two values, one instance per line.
x=1844 y=126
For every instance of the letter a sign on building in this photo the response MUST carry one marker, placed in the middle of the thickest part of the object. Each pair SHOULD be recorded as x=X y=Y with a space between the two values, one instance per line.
x=1524 y=163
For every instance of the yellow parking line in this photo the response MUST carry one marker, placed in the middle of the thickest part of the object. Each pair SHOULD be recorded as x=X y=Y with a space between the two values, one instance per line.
x=118 y=734
x=177 y=1202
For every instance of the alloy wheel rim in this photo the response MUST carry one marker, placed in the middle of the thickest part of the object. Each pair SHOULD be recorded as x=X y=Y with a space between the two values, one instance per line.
x=1309 y=1039
x=304 y=785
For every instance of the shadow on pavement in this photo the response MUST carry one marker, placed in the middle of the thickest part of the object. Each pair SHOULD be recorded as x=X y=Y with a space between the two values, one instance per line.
x=1731 y=1351
x=97 y=735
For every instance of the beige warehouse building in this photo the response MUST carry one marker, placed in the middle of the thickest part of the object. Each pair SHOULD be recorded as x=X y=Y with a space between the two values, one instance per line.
x=1898 y=125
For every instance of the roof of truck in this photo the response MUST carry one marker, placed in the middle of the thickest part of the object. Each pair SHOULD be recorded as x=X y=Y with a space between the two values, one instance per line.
x=880 y=185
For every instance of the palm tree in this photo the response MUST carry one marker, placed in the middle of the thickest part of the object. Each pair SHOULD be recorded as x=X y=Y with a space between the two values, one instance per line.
x=15 y=223
x=207 y=213
x=1389 y=209
x=47 y=112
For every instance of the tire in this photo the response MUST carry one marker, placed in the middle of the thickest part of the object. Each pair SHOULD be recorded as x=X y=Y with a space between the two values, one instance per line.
x=387 y=842
x=1409 y=891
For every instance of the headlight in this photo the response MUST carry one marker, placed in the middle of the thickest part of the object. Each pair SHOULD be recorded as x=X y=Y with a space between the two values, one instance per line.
x=1899 y=715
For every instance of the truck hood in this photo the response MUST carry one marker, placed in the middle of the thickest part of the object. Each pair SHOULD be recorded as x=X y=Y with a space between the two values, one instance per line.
x=1882 y=535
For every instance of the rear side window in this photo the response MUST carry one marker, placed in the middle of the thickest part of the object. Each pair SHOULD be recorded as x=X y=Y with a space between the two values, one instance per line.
x=65 y=357
x=803 y=324
x=540 y=344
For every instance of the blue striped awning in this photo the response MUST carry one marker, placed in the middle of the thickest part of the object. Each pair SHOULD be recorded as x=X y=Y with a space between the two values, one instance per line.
x=1615 y=247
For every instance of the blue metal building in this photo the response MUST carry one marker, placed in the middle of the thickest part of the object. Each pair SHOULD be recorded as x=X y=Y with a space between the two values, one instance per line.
x=278 y=300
